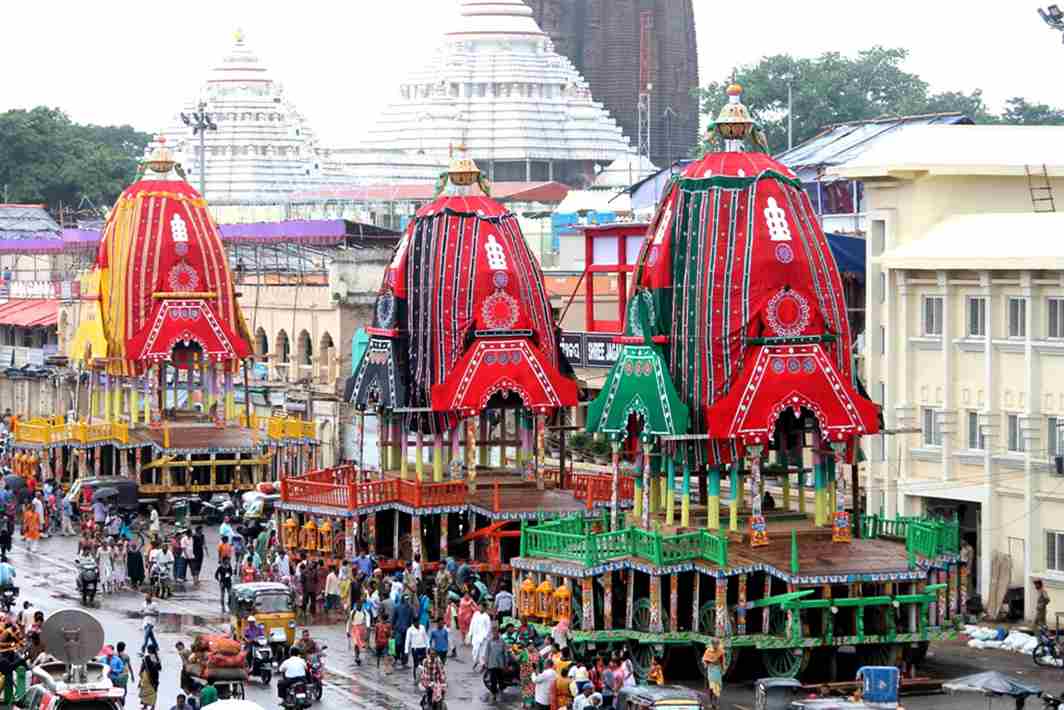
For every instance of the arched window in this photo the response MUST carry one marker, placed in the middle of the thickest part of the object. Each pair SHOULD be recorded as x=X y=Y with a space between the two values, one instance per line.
x=262 y=345
x=304 y=350
x=281 y=350
x=325 y=358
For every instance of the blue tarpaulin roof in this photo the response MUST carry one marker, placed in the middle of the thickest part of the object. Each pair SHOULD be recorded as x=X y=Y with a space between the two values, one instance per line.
x=849 y=253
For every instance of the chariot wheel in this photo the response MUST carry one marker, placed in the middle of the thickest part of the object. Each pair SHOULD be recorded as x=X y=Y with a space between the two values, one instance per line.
x=641 y=615
x=785 y=662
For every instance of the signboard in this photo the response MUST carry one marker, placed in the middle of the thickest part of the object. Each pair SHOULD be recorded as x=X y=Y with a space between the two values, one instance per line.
x=32 y=289
x=590 y=349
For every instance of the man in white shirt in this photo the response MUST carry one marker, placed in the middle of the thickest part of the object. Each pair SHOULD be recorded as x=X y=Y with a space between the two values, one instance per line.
x=417 y=643
x=583 y=699
x=293 y=669
x=149 y=613
x=282 y=566
x=332 y=592
x=25 y=619
x=504 y=603
x=479 y=633
x=544 y=685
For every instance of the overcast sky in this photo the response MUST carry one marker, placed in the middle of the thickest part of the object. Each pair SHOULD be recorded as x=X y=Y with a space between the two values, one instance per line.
x=120 y=61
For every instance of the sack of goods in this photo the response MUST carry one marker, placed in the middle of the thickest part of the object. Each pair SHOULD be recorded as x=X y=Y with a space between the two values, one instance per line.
x=212 y=644
x=222 y=660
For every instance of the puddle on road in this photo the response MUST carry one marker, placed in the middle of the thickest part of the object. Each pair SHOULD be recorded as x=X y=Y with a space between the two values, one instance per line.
x=173 y=623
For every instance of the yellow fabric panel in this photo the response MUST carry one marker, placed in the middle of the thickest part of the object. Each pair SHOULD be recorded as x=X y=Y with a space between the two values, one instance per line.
x=89 y=334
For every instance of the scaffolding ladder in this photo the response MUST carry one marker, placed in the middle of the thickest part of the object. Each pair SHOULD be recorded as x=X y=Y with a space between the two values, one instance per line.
x=1040 y=189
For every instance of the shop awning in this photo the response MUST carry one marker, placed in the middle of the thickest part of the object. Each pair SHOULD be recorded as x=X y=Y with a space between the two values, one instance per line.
x=30 y=312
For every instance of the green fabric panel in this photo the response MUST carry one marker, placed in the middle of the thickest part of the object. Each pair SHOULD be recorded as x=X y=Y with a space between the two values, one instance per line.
x=638 y=383
x=731 y=182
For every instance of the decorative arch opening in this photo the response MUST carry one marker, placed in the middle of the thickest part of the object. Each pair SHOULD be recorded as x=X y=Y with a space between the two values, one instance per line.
x=325 y=358
x=281 y=351
x=304 y=350
x=262 y=345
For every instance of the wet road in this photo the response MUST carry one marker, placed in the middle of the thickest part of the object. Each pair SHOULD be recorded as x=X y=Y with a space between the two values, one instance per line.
x=46 y=579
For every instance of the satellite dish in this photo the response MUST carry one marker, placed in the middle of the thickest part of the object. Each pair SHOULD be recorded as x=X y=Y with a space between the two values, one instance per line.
x=72 y=636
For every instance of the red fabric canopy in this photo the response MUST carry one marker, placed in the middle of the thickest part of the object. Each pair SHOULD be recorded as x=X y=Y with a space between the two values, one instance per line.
x=186 y=321
x=30 y=312
x=775 y=378
x=503 y=364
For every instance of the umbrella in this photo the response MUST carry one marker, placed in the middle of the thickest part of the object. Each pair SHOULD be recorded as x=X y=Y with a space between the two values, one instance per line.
x=105 y=493
x=992 y=683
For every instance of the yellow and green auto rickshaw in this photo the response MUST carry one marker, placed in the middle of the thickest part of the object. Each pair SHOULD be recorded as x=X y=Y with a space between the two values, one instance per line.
x=273 y=605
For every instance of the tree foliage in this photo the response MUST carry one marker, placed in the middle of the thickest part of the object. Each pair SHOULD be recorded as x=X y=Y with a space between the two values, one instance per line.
x=832 y=88
x=47 y=158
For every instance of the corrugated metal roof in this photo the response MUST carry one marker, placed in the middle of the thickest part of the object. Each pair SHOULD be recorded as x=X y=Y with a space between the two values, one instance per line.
x=27 y=222
x=843 y=142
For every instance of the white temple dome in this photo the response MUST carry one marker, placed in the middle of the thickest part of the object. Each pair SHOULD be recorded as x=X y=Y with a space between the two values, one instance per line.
x=497 y=86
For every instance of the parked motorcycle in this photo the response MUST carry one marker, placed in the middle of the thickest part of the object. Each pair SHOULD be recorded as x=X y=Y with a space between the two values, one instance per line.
x=278 y=645
x=215 y=510
x=88 y=580
x=1048 y=652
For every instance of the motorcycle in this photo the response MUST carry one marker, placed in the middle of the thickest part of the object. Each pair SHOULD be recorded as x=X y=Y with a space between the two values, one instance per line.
x=159 y=579
x=1052 y=702
x=260 y=659
x=427 y=703
x=215 y=510
x=297 y=696
x=278 y=645
x=7 y=598
x=88 y=580
x=1048 y=652
x=316 y=668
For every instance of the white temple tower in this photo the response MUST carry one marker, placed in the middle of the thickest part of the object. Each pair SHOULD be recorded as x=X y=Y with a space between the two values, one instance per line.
x=497 y=86
x=263 y=150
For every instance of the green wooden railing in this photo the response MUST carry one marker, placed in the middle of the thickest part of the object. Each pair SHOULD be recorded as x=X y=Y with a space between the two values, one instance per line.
x=573 y=539
x=923 y=536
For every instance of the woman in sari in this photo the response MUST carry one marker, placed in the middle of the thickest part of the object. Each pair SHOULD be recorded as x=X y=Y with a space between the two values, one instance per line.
x=149 y=678
x=31 y=527
x=465 y=615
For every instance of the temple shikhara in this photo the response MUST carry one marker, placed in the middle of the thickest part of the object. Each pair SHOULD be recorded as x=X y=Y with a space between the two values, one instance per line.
x=161 y=349
x=736 y=367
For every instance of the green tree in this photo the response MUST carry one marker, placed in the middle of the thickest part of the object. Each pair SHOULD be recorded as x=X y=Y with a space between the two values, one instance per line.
x=832 y=88
x=1018 y=110
x=45 y=157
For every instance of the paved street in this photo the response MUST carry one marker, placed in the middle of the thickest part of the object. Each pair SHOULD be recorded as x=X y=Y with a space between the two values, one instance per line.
x=47 y=580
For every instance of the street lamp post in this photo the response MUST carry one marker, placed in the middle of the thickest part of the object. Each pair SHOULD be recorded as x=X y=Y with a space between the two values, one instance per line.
x=200 y=122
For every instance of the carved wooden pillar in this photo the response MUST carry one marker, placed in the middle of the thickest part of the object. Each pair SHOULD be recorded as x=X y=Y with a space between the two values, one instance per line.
x=740 y=612
x=607 y=600
x=655 y=604
x=722 y=606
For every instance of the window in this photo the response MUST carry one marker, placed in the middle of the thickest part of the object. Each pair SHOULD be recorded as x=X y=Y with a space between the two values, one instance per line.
x=1055 y=437
x=1015 y=443
x=882 y=437
x=1017 y=317
x=977 y=317
x=976 y=440
x=932 y=315
x=1054 y=551
x=932 y=428
x=882 y=340
x=1056 y=318
x=882 y=287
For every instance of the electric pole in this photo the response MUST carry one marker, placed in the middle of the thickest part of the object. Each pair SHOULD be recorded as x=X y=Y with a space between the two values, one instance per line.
x=200 y=122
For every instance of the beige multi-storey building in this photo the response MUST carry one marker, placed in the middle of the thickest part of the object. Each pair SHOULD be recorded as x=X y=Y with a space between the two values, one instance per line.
x=965 y=333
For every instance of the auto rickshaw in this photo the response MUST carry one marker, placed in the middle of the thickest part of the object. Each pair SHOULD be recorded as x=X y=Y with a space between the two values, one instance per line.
x=661 y=697
x=273 y=605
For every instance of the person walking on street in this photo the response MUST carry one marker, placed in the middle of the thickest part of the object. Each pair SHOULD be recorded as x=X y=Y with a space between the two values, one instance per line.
x=382 y=634
x=149 y=613
x=440 y=640
x=358 y=630
x=479 y=633
x=224 y=575
x=149 y=678
x=402 y=620
x=199 y=549
x=496 y=659
x=711 y=660
x=1041 y=604
x=417 y=644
